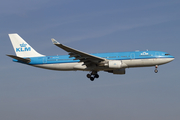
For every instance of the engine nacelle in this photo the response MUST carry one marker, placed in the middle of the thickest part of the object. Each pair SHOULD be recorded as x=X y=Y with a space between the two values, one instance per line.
x=118 y=71
x=115 y=64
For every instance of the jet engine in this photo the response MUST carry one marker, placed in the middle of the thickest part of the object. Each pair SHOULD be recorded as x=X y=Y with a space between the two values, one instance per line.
x=114 y=64
x=118 y=71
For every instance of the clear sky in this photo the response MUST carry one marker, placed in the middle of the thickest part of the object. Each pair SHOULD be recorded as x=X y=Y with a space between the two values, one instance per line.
x=92 y=26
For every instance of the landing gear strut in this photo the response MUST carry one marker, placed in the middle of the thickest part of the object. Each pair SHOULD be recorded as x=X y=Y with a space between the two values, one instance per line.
x=156 y=71
x=92 y=75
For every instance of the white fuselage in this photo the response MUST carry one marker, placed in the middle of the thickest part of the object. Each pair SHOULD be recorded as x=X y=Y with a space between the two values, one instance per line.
x=125 y=64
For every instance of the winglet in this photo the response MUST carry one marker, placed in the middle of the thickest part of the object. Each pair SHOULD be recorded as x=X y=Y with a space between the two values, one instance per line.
x=54 y=41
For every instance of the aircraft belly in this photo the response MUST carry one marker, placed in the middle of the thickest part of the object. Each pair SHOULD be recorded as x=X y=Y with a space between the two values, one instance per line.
x=146 y=62
x=133 y=62
x=59 y=66
x=63 y=66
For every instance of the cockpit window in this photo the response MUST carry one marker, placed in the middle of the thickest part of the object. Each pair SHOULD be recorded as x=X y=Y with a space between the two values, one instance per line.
x=167 y=54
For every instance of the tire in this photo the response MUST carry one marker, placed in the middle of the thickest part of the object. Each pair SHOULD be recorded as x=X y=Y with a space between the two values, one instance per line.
x=96 y=76
x=156 y=71
x=88 y=76
x=91 y=78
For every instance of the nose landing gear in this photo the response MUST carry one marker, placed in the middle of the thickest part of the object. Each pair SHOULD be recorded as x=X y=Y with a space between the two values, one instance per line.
x=156 y=71
x=92 y=75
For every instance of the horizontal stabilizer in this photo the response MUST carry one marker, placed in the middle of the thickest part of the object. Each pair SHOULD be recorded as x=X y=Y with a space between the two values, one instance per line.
x=25 y=60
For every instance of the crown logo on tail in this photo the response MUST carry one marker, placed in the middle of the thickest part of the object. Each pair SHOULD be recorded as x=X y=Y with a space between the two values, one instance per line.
x=23 y=45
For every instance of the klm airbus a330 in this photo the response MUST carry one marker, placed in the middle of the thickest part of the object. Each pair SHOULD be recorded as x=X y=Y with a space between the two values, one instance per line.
x=115 y=63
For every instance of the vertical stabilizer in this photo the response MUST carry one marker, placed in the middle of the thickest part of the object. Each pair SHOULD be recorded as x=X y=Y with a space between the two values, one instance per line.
x=22 y=48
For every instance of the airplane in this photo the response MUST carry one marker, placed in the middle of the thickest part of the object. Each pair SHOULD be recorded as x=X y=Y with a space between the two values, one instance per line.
x=115 y=63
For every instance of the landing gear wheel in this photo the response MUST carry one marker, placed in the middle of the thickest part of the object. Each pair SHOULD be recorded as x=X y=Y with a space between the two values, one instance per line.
x=92 y=75
x=88 y=75
x=156 y=71
x=96 y=76
x=91 y=78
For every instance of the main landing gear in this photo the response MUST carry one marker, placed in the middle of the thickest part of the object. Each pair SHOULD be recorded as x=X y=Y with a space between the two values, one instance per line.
x=156 y=71
x=92 y=75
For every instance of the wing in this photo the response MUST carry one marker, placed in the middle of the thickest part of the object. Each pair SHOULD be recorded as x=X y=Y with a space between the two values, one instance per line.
x=79 y=55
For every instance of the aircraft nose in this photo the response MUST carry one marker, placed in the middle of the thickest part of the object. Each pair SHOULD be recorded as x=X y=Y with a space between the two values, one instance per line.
x=168 y=60
x=171 y=59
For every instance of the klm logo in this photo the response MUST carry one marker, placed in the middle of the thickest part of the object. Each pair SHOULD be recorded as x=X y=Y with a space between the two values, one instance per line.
x=144 y=53
x=23 y=48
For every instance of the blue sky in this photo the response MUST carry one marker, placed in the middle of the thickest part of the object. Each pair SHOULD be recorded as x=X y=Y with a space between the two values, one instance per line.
x=90 y=26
